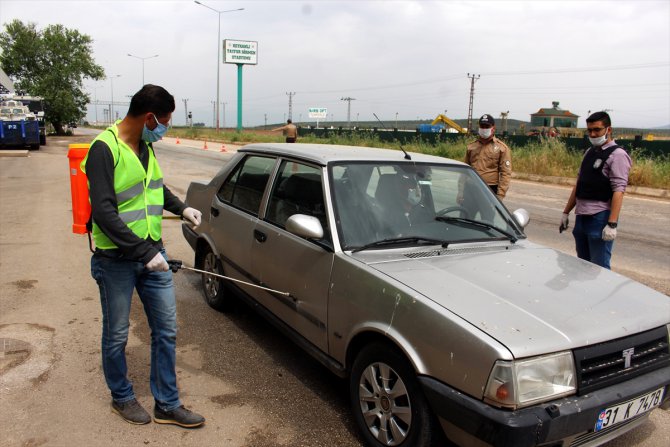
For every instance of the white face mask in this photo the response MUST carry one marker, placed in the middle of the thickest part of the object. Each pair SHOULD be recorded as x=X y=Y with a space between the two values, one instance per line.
x=414 y=196
x=598 y=141
x=485 y=133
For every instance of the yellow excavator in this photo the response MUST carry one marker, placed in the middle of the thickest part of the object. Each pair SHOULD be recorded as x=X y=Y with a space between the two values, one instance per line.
x=448 y=122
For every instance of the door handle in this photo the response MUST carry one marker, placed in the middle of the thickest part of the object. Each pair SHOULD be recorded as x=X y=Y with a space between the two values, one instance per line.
x=260 y=236
x=214 y=211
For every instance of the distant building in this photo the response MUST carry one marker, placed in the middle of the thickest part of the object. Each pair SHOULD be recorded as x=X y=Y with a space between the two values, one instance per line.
x=553 y=117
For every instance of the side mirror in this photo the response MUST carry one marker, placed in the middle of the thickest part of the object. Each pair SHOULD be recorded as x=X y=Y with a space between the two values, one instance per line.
x=522 y=217
x=305 y=226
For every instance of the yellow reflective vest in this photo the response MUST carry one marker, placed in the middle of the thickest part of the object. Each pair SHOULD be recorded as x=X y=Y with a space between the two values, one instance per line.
x=139 y=193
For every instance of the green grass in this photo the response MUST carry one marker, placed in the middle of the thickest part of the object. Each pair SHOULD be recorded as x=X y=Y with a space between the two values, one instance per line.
x=549 y=158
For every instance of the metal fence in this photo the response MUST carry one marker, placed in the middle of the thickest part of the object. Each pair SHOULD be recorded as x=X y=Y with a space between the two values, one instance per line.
x=656 y=148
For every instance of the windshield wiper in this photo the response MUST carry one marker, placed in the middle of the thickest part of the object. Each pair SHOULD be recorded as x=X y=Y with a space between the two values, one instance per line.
x=477 y=223
x=401 y=241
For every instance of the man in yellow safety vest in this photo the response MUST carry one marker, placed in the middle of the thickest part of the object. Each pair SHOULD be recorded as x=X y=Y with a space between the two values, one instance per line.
x=127 y=200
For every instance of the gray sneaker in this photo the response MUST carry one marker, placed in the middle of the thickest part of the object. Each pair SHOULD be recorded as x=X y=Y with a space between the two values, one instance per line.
x=179 y=416
x=131 y=411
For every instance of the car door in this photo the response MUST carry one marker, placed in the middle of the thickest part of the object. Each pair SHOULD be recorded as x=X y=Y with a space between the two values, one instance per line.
x=293 y=264
x=234 y=213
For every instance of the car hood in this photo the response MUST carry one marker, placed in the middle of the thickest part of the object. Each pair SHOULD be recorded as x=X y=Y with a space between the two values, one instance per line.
x=532 y=299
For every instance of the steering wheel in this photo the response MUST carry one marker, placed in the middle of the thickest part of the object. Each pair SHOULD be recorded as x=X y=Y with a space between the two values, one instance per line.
x=464 y=212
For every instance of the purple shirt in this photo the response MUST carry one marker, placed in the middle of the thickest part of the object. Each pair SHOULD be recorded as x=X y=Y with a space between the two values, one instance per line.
x=616 y=168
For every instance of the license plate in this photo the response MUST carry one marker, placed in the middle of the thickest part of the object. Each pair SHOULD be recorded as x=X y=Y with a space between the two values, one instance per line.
x=620 y=413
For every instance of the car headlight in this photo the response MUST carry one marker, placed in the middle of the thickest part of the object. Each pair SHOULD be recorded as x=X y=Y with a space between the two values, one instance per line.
x=519 y=383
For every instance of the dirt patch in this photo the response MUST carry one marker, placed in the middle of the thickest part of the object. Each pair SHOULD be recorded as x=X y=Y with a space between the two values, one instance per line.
x=25 y=284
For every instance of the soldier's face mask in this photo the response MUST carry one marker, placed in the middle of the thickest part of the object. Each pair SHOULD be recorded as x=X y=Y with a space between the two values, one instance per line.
x=485 y=133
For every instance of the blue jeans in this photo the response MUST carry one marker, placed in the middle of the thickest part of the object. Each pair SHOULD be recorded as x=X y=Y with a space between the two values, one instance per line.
x=589 y=242
x=116 y=280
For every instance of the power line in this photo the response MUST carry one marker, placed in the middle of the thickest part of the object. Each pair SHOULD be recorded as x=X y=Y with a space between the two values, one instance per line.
x=580 y=70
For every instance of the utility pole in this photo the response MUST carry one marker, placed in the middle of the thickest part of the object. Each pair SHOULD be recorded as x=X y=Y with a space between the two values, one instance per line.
x=290 y=105
x=503 y=116
x=185 y=110
x=224 y=114
x=213 y=113
x=472 y=78
x=348 y=99
x=265 y=126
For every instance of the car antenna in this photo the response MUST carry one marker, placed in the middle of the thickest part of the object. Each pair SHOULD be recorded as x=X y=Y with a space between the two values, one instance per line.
x=407 y=157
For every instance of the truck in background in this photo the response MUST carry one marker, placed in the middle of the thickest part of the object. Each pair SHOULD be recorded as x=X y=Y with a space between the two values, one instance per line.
x=22 y=122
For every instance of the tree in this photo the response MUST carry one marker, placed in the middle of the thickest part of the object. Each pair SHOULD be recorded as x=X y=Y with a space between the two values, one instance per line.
x=53 y=64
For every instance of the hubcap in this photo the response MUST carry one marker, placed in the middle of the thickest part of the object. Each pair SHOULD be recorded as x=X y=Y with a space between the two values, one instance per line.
x=385 y=404
x=211 y=283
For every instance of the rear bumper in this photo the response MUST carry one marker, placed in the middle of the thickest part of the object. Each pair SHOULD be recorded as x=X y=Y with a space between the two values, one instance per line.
x=555 y=423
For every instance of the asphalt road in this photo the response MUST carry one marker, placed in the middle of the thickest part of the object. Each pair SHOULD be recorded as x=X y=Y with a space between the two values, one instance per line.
x=254 y=386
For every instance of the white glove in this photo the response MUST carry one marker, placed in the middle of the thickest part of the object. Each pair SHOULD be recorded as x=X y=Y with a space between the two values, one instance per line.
x=609 y=233
x=158 y=264
x=565 y=223
x=192 y=215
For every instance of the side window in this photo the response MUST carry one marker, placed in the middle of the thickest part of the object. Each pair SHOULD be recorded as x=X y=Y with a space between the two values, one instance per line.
x=244 y=188
x=298 y=190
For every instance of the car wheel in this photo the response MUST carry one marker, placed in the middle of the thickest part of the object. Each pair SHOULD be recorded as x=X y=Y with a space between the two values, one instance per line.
x=388 y=404
x=216 y=293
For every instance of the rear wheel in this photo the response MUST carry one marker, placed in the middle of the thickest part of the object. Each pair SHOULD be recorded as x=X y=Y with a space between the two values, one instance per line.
x=216 y=293
x=388 y=404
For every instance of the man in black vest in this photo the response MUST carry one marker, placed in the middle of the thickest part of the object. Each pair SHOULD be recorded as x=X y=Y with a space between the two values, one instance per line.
x=598 y=195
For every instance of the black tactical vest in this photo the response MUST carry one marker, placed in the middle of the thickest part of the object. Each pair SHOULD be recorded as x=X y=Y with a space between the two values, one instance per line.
x=592 y=184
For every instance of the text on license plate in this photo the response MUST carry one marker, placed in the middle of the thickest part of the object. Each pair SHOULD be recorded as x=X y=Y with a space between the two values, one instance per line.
x=627 y=410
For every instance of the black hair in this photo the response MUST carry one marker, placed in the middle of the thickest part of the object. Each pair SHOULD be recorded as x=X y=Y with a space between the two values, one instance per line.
x=151 y=99
x=289 y=121
x=600 y=116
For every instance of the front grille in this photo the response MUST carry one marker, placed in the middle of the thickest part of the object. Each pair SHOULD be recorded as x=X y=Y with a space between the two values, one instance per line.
x=604 y=364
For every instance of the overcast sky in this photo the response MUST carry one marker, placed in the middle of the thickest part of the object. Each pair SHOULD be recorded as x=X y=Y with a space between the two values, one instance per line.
x=409 y=58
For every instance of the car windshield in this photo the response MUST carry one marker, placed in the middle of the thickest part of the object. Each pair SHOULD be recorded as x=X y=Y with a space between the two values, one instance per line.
x=385 y=205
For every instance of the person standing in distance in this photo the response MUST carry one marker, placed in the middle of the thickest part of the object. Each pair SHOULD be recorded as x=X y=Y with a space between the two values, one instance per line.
x=598 y=195
x=490 y=157
x=290 y=131
x=127 y=200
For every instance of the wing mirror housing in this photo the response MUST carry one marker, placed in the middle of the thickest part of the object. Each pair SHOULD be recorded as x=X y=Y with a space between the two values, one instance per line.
x=522 y=217
x=305 y=226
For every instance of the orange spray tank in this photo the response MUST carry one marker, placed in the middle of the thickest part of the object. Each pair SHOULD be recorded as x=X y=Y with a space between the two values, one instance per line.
x=81 y=206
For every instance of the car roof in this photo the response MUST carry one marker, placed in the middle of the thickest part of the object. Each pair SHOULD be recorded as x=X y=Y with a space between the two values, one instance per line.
x=323 y=154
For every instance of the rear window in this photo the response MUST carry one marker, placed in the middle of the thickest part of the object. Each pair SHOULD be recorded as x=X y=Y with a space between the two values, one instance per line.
x=245 y=187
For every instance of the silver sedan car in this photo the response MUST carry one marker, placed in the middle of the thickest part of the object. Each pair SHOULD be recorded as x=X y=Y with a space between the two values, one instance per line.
x=405 y=274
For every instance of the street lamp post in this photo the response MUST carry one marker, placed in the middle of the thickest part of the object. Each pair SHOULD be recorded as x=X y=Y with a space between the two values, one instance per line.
x=111 y=111
x=142 y=59
x=218 y=54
